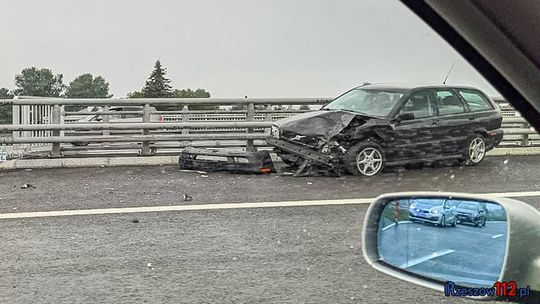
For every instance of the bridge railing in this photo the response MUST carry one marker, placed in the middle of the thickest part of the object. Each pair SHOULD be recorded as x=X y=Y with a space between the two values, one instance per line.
x=239 y=122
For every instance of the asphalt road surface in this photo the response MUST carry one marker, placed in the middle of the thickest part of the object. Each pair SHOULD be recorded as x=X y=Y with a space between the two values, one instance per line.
x=304 y=254
x=467 y=255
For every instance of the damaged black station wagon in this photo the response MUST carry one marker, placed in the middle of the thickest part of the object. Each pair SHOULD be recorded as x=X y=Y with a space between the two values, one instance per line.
x=378 y=125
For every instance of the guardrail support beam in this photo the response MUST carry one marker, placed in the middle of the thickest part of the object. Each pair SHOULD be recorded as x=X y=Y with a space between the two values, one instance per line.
x=56 y=119
x=250 y=117
x=525 y=137
x=145 y=150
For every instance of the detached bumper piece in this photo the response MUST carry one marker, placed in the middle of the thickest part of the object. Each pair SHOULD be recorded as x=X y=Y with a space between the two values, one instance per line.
x=226 y=160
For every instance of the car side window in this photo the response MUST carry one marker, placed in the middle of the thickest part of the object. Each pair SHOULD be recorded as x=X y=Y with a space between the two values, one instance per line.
x=420 y=105
x=448 y=103
x=475 y=100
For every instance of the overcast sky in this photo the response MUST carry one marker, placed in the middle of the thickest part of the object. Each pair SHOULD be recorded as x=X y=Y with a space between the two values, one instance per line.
x=233 y=48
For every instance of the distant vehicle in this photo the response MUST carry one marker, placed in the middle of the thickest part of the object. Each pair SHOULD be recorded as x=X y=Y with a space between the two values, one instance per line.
x=438 y=212
x=471 y=212
x=121 y=117
x=378 y=125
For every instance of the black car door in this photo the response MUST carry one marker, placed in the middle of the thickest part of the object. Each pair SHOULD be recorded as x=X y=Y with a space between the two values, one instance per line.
x=415 y=138
x=454 y=122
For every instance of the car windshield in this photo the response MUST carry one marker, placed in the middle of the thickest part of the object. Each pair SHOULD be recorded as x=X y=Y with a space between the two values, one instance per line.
x=366 y=102
x=429 y=202
x=468 y=206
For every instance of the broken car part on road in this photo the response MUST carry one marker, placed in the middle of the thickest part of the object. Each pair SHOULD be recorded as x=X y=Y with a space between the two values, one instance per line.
x=226 y=160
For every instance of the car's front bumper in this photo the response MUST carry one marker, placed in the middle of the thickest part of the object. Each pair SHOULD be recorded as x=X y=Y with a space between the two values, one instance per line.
x=425 y=217
x=466 y=218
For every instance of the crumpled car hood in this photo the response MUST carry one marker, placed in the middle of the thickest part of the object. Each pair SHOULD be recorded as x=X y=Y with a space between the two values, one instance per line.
x=325 y=124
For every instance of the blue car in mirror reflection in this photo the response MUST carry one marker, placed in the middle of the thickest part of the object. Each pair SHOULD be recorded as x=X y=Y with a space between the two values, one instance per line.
x=440 y=212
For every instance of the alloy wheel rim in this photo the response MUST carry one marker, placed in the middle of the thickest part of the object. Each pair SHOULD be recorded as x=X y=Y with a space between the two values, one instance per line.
x=477 y=150
x=369 y=161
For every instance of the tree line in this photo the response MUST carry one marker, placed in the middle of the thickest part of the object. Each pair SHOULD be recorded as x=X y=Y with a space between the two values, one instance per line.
x=43 y=82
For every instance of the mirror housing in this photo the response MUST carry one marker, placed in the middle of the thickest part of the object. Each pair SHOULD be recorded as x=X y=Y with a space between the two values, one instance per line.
x=521 y=262
x=404 y=116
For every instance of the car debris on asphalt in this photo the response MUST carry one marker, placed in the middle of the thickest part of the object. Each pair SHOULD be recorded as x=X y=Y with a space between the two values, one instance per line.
x=226 y=160
x=28 y=186
x=193 y=171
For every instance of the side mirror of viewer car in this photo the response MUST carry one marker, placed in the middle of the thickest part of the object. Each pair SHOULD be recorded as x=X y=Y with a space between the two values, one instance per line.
x=412 y=237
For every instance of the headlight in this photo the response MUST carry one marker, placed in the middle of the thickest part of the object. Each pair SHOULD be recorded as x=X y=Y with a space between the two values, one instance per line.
x=274 y=131
x=435 y=211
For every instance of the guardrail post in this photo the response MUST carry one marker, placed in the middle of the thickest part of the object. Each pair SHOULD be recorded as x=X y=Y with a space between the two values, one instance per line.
x=268 y=114
x=250 y=117
x=146 y=118
x=185 y=118
x=106 y=119
x=56 y=119
x=525 y=137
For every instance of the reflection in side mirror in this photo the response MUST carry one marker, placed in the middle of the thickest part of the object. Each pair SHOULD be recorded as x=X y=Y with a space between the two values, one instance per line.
x=405 y=116
x=479 y=243
x=427 y=236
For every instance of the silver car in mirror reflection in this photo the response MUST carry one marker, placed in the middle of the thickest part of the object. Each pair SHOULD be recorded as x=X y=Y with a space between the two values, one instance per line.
x=441 y=212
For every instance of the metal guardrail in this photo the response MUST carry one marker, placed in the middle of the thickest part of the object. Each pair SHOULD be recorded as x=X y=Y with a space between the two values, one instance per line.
x=203 y=128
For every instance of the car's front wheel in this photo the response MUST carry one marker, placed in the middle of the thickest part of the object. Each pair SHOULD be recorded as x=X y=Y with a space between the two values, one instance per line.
x=475 y=150
x=443 y=221
x=366 y=158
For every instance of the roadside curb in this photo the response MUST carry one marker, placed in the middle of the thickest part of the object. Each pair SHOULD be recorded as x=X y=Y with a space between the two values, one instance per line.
x=169 y=160
x=88 y=162
x=514 y=151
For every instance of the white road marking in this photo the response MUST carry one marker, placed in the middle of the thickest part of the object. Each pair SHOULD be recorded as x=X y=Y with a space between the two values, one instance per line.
x=497 y=236
x=426 y=258
x=392 y=225
x=223 y=206
x=185 y=208
x=472 y=231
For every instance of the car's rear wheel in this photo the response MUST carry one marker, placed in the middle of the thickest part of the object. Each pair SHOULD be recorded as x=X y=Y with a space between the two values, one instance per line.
x=366 y=158
x=475 y=150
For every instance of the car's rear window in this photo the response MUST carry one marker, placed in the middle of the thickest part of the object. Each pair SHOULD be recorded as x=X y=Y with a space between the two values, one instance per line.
x=475 y=100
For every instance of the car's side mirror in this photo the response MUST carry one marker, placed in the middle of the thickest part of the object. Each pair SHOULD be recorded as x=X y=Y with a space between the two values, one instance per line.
x=499 y=258
x=405 y=116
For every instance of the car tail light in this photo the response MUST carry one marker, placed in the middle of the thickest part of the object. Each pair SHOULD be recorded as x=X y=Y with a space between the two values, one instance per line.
x=266 y=170
x=161 y=119
x=492 y=133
